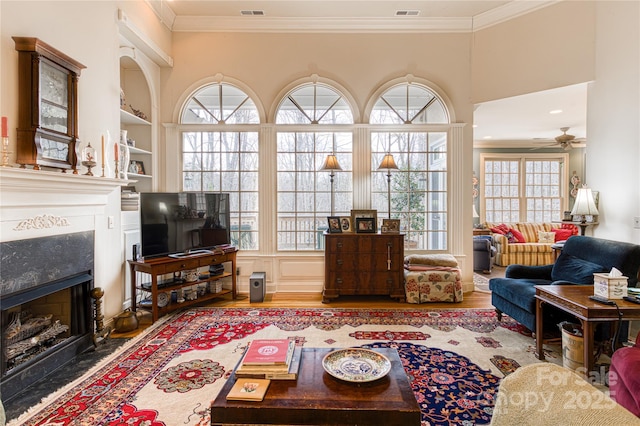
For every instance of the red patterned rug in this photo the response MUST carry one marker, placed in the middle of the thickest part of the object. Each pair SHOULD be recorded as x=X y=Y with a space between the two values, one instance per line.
x=170 y=374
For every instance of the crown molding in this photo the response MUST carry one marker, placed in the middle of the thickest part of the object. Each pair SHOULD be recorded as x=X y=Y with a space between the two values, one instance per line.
x=264 y=24
x=406 y=24
x=509 y=11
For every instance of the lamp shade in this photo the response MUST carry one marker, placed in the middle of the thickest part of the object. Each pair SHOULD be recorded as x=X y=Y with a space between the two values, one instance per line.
x=585 y=204
x=331 y=163
x=387 y=162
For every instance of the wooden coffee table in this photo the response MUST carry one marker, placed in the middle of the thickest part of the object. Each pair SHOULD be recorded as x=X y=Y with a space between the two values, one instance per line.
x=319 y=398
x=574 y=299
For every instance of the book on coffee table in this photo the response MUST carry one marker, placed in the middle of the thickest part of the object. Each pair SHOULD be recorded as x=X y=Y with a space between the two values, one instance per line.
x=273 y=372
x=269 y=352
x=248 y=390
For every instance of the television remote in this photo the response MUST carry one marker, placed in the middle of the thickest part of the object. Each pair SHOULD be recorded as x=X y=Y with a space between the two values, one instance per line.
x=602 y=300
x=631 y=299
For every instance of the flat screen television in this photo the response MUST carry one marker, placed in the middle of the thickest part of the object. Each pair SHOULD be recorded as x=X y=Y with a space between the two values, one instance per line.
x=175 y=223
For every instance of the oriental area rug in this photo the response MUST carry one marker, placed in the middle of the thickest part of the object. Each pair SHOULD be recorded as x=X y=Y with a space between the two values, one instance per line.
x=170 y=374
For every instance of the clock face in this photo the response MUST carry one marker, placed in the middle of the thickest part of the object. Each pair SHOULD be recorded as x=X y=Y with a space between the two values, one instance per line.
x=163 y=299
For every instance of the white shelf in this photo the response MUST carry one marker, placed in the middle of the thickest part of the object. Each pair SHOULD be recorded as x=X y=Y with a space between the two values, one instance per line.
x=134 y=150
x=128 y=118
x=135 y=175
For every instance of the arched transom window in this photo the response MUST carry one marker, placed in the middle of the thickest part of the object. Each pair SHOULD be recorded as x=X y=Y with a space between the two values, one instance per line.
x=314 y=103
x=409 y=104
x=220 y=104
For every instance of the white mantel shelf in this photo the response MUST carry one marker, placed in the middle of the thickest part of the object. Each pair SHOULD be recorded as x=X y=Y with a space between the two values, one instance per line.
x=13 y=179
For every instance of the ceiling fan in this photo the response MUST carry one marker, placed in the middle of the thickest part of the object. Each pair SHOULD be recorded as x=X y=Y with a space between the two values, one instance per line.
x=564 y=141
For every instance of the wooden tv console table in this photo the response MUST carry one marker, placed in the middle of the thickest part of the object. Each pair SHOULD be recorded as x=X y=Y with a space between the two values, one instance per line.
x=169 y=265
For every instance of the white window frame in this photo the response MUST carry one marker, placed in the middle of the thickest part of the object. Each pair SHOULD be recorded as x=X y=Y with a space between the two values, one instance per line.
x=524 y=214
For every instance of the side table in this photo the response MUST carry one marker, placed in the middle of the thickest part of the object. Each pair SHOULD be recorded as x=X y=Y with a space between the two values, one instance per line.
x=574 y=299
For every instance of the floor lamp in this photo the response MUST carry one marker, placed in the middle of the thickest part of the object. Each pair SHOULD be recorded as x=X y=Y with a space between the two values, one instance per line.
x=584 y=205
x=388 y=163
x=331 y=164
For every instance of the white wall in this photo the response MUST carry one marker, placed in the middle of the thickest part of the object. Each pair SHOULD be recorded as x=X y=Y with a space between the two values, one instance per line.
x=551 y=47
x=613 y=128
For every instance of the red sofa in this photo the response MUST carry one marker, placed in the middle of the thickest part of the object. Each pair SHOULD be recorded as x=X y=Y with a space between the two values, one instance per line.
x=624 y=377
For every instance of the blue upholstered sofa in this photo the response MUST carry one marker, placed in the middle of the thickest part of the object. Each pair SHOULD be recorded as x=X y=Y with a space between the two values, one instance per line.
x=581 y=256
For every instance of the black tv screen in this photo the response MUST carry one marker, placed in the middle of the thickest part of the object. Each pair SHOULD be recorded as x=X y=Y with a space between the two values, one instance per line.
x=178 y=222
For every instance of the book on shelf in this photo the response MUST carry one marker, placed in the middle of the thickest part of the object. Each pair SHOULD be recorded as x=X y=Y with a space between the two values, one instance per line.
x=249 y=389
x=268 y=352
x=274 y=372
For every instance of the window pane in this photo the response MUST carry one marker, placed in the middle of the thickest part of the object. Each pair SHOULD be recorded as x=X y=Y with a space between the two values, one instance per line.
x=541 y=189
x=304 y=191
x=212 y=163
x=418 y=185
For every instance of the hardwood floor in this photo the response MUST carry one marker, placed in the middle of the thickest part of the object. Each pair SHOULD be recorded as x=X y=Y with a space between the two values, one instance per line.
x=472 y=300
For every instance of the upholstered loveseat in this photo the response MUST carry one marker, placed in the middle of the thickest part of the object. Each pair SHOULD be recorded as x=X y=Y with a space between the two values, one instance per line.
x=581 y=256
x=528 y=243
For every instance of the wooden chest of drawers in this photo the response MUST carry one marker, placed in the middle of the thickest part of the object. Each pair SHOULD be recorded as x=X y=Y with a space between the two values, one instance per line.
x=368 y=264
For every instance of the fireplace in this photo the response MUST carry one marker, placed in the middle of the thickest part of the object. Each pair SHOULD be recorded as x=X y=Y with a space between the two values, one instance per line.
x=52 y=225
x=45 y=306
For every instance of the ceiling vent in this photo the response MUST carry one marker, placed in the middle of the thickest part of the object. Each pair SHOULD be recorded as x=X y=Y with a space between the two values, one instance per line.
x=252 y=12
x=407 y=12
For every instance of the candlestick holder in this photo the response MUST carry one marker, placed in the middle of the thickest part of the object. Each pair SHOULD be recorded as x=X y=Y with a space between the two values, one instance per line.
x=117 y=173
x=5 y=152
x=101 y=333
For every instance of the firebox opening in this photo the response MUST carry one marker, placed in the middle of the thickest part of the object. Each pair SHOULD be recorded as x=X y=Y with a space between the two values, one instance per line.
x=43 y=328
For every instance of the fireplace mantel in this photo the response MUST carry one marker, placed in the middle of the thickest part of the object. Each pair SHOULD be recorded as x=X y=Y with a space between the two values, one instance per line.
x=35 y=203
x=19 y=180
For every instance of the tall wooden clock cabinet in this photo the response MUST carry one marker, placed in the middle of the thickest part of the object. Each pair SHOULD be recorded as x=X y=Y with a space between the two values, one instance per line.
x=47 y=106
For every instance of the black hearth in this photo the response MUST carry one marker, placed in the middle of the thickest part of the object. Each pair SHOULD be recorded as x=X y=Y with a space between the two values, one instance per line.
x=49 y=280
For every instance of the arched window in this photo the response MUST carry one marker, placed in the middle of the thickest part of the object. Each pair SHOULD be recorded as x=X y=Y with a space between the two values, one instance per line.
x=220 y=103
x=409 y=104
x=225 y=159
x=306 y=195
x=418 y=187
x=314 y=103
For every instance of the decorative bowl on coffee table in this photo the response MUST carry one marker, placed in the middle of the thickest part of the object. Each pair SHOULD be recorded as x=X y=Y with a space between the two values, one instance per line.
x=356 y=365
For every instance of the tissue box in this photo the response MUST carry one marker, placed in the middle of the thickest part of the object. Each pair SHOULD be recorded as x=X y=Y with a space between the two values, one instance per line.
x=609 y=287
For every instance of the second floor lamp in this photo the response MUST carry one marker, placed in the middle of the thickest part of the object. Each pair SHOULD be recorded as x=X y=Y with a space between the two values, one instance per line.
x=331 y=164
x=388 y=163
